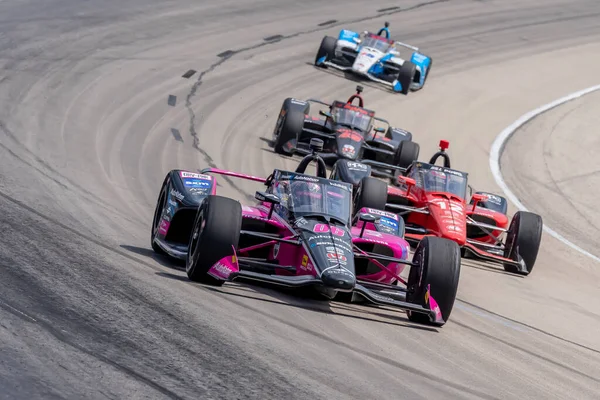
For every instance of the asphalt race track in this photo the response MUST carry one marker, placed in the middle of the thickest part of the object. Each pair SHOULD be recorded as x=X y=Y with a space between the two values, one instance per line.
x=87 y=134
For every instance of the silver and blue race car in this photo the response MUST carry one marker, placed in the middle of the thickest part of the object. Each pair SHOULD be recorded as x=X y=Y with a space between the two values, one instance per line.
x=375 y=57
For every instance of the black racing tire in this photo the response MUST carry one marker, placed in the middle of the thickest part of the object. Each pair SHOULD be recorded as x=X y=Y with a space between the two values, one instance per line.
x=288 y=128
x=436 y=262
x=406 y=153
x=160 y=205
x=498 y=203
x=372 y=193
x=216 y=232
x=523 y=241
x=326 y=49
x=406 y=75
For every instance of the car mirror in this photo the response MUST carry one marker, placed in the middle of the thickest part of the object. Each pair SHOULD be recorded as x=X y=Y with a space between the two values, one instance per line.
x=477 y=198
x=380 y=129
x=325 y=113
x=366 y=218
x=409 y=182
x=268 y=198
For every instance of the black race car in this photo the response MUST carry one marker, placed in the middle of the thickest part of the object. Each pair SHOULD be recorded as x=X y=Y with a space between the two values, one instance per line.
x=348 y=133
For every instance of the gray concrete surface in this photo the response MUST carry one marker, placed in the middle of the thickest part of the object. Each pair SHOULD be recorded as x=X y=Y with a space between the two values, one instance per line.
x=86 y=136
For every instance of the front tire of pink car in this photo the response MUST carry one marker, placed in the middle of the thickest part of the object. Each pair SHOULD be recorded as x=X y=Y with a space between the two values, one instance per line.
x=215 y=233
x=436 y=263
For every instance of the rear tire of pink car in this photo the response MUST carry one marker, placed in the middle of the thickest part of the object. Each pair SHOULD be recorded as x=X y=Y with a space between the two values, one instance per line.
x=436 y=263
x=216 y=232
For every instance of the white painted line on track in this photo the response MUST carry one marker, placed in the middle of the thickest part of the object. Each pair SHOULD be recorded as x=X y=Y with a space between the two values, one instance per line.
x=498 y=148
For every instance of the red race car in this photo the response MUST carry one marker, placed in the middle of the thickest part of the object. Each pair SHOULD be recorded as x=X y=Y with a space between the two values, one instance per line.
x=432 y=200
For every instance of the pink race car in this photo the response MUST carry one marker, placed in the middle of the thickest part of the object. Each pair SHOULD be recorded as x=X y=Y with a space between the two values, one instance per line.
x=303 y=233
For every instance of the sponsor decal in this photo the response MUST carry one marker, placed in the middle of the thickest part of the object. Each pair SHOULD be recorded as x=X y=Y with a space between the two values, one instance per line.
x=299 y=102
x=300 y=222
x=349 y=149
x=276 y=250
x=185 y=174
x=332 y=249
x=493 y=198
x=177 y=195
x=322 y=228
x=304 y=178
x=357 y=166
x=304 y=260
x=373 y=233
x=196 y=183
x=339 y=185
x=163 y=227
x=326 y=241
x=382 y=213
x=222 y=270
x=172 y=203
x=337 y=258
x=195 y=191
x=374 y=240
x=342 y=271
x=446 y=170
x=388 y=222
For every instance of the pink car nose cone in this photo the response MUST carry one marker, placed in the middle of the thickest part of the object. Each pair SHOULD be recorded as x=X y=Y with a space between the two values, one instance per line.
x=339 y=278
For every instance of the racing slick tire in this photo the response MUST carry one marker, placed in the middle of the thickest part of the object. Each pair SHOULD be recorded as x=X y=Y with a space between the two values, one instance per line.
x=436 y=263
x=372 y=193
x=160 y=205
x=406 y=153
x=523 y=241
x=406 y=76
x=289 y=127
x=215 y=234
x=326 y=49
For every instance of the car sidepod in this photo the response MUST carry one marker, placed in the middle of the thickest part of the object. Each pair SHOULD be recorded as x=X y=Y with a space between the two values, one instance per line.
x=383 y=237
x=423 y=64
x=181 y=194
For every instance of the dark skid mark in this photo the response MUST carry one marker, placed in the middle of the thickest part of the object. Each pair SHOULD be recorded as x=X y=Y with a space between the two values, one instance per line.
x=543 y=332
x=388 y=9
x=176 y=134
x=189 y=74
x=529 y=352
x=227 y=54
x=331 y=21
x=273 y=38
x=172 y=100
